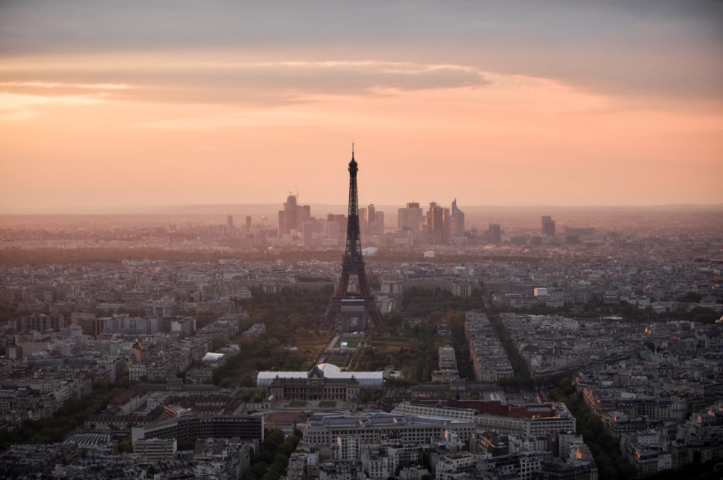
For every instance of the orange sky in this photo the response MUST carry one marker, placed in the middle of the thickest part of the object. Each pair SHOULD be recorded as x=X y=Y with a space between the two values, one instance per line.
x=128 y=121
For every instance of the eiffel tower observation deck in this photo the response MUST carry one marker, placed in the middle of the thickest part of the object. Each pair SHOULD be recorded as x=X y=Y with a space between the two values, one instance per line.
x=352 y=310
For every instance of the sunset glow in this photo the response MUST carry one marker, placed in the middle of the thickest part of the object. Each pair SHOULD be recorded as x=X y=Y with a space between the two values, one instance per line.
x=142 y=107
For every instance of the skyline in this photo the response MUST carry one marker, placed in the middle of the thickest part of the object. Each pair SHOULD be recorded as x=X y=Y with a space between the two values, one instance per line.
x=107 y=108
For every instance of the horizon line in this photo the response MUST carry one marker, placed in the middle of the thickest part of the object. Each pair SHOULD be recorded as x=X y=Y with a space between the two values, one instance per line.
x=163 y=209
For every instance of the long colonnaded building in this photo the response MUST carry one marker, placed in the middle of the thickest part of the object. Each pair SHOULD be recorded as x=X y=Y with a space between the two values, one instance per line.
x=456 y=286
x=193 y=426
x=536 y=420
x=371 y=428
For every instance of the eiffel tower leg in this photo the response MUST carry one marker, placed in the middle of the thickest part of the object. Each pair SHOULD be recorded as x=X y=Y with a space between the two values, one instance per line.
x=343 y=287
x=332 y=313
x=363 y=283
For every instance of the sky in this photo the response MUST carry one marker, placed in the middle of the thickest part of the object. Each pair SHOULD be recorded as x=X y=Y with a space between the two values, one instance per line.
x=121 y=106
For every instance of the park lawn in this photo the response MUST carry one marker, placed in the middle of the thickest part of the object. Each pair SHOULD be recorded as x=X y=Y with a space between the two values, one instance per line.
x=390 y=342
x=312 y=343
x=389 y=345
x=297 y=403
x=327 y=404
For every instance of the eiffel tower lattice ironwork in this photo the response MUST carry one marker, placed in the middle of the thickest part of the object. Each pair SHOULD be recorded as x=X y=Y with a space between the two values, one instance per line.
x=352 y=264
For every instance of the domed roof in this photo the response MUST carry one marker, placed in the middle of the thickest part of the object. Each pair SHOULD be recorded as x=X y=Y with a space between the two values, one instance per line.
x=329 y=368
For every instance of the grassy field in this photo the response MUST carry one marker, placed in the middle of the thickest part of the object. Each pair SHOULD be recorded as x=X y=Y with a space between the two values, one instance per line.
x=393 y=342
x=297 y=403
x=389 y=344
x=327 y=404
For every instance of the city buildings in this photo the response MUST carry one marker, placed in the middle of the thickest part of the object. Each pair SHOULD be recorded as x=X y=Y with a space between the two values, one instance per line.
x=488 y=356
x=654 y=382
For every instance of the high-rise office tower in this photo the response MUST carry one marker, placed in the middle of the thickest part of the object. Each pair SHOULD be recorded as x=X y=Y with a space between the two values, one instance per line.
x=435 y=223
x=308 y=234
x=248 y=223
x=341 y=220
x=494 y=234
x=447 y=221
x=457 y=229
x=303 y=215
x=294 y=215
x=410 y=218
x=332 y=230
x=368 y=220
x=290 y=214
x=548 y=226
x=282 y=222
x=378 y=223
x=229 y=222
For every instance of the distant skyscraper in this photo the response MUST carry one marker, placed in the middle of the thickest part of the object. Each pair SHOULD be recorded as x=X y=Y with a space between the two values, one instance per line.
x=410 y=218
x=290 y=214
x=435 y=223
x=494 y=234
x=548 y=226
x=308 y=234
x=303 y=215
x=229 y=222
x=446 y=225
x=282 y=222
x=294 y=215
x=378 y=223
x=332 y=230
x=369 y=219
x=248 y=223
x=341 y=220
x=457 y=229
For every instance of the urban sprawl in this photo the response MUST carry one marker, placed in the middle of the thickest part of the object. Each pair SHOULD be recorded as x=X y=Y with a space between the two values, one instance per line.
x=527 y=351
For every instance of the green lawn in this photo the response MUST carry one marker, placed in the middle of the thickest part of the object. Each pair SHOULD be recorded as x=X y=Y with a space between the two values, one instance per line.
x=391 y=342
x=297 y=403
x=327 y=404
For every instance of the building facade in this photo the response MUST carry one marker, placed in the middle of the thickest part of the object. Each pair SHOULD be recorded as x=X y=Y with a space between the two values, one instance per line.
x=315 y=387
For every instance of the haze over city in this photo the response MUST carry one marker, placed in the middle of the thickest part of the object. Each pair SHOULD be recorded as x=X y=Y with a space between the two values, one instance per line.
x=127 y=107
x=400 y=240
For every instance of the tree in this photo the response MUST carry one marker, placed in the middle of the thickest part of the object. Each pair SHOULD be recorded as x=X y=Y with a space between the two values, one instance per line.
x=692 y=297
x=274 y=438
x=247 y=381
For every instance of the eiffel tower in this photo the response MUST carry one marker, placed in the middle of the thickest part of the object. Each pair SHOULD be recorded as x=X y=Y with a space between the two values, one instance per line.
x=357 y=307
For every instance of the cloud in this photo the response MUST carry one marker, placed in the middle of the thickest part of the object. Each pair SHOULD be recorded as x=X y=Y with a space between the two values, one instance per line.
x=16 y=107
x=55 y=85
x=229 y=83
x=662 y=48
x=17 y=116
